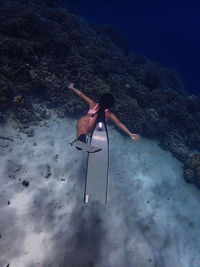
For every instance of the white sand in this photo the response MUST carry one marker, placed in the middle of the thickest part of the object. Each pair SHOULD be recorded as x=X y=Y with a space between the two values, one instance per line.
x=152 y=218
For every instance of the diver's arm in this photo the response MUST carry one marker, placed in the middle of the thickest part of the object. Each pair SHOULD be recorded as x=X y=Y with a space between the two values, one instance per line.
x=79 y=93
x=134 y=137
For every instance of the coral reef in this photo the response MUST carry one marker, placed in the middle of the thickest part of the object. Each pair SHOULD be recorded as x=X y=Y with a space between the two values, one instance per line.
x=173 y=80
x=43 y=47
x=115 y=35
x=192 y=169
x=175 y=143
x=130 y=113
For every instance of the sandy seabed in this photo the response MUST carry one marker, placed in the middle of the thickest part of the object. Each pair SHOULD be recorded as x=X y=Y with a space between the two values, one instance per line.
x=152 y=216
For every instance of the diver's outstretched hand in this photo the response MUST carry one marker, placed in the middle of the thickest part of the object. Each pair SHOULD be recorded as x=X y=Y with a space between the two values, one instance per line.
x=71 y=85
x=135 y=137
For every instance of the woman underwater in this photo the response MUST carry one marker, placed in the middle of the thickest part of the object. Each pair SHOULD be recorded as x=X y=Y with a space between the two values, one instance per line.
x=86 y=124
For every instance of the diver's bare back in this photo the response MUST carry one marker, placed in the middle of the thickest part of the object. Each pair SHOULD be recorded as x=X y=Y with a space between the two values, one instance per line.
x=87 y=118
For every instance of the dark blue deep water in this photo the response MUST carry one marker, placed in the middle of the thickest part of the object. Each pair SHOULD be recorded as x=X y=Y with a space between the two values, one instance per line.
x=163 y=31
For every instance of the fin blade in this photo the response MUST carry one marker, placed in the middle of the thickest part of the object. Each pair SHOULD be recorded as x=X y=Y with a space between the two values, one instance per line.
x=86 y=147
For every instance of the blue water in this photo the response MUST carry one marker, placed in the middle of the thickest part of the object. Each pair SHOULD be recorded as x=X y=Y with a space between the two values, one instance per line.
x=164 y=31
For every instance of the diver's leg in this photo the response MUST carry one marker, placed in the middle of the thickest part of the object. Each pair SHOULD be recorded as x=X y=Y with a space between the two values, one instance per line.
x=82 y=129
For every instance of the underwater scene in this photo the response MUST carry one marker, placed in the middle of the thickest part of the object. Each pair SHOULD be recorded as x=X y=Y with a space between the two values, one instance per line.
x=99 y=133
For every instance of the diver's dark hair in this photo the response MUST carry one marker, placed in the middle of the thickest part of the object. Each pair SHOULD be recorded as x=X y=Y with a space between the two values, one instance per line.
x=107 y=100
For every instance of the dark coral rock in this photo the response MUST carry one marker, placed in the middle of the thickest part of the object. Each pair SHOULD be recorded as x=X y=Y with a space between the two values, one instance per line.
x=18 y=100
x=45 y=114
x=29 y=132
x=137 y=60
x=173 y=80
x=114 y=34
x=182 y=119
x=192 y=169
x=117 y=37
x=155 y=125
x=3 y=101
x=189 y=176
x=157 y=99
x=49 y=3
x=193 y=140
x=193 y=104
x=176 y=111
x=138 y=73
x=193 y=162
x=24 y=114
x=25 y=183
x=138 y=92
x=150 y=75
x=198 y=176
x=176 y=144
x=131 y=114
x=154 y=77
x=121 y=84
x=48 y=172
x=4 y=92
